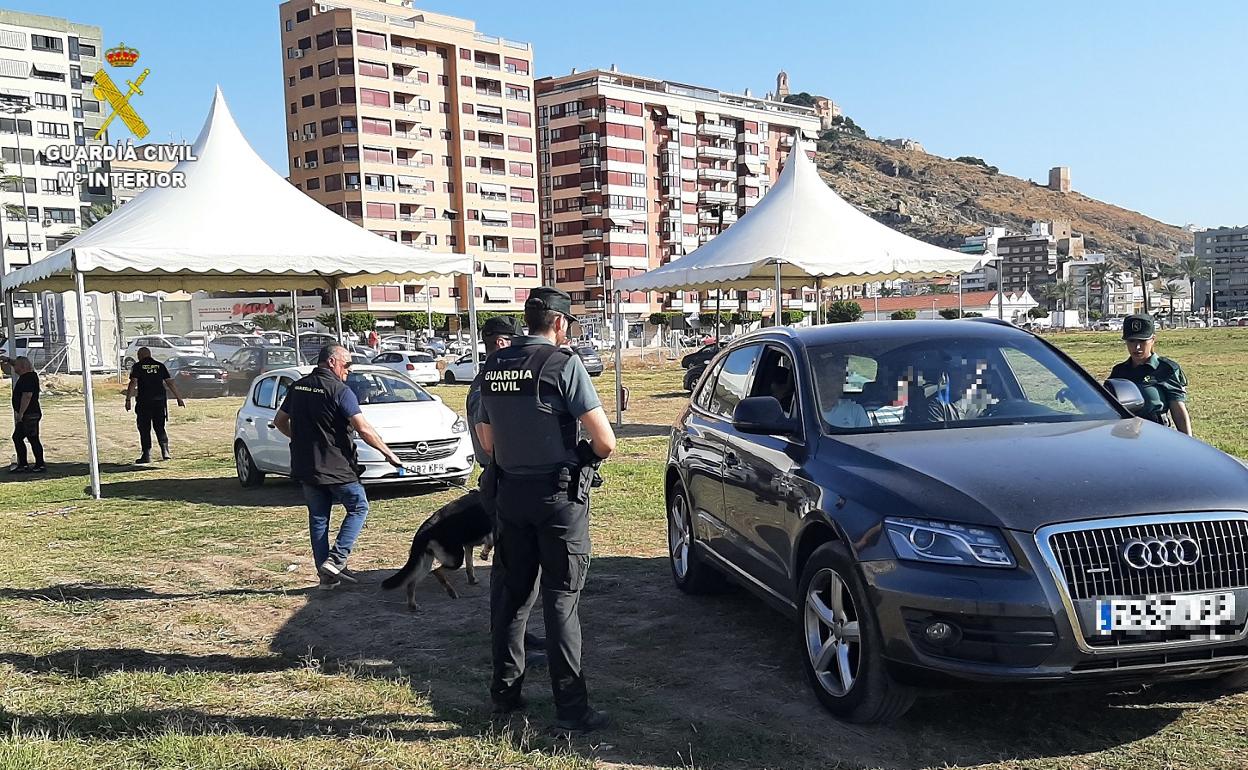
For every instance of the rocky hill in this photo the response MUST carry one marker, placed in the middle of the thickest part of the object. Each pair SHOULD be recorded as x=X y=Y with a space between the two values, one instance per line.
x=941 y=200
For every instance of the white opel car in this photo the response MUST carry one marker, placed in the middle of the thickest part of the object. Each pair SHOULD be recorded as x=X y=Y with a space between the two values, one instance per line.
x=420 y=366
x=430 y=439
x=460 y=370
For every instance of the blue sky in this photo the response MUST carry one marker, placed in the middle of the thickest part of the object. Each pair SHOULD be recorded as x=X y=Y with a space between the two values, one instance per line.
x=1143 y=100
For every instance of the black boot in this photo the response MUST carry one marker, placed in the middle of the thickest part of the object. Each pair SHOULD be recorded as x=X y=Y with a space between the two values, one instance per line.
x=164 y=452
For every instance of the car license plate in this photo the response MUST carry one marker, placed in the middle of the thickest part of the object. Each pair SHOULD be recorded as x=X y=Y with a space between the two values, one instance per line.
x=205 y=376
x=1165 y=613
x=427 y=469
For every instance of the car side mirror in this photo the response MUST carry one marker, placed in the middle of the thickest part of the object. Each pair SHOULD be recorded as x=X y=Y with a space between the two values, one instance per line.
x=1126 y=393
x=762 y=415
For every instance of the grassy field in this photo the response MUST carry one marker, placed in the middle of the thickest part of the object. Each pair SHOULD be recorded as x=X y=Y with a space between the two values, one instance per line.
x=172 y=625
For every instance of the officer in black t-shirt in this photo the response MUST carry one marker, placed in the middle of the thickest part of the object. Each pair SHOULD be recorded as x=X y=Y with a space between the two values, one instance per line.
x=534 y=397
x=26 y=417
x=151 y=379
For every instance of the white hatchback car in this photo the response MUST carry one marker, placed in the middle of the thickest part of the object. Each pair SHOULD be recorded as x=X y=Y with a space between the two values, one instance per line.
x=162 y=347
x=420 y=366
x=428 y=437
x=460 y=370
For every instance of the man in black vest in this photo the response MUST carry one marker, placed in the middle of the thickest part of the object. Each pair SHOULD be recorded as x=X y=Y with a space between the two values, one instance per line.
x=150 y=378
x=317 y=416
x=533 y=395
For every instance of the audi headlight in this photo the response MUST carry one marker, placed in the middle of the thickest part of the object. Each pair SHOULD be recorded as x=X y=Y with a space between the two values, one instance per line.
x=460 y=426
x=945 y=542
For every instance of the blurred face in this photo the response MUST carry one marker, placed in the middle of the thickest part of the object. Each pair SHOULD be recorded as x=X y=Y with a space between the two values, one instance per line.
x=1140 y=350
x=340 y=364
x=834 y=379
x=144 y=353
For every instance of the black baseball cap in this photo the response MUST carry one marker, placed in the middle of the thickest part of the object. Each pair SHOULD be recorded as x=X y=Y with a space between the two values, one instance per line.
x=500 y=326
x=550 y=298
x=1138 y=327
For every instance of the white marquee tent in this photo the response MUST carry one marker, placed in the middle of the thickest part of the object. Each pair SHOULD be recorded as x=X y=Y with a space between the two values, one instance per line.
x=236 y=225
x=800 y=234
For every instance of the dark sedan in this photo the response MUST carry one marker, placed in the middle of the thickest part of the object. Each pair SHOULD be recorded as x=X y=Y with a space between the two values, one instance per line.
x=702 y=355
x=197 y=376
x=249 y=363
x=591 y=359
x=956 y=501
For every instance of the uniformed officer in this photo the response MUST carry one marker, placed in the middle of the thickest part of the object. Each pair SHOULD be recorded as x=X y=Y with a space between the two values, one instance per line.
x=1161 y=381
x=150 y=378
x=533 y=395
x=317 y=416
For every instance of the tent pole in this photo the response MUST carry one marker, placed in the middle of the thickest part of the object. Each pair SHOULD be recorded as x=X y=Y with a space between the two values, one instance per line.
x=88 y=395
x=121 y=344
x=779 y=303
x=718 y=293
x=472 y=317
x=10 y=325
x=337 y=311
x=819 y=301
x=619 y=368
x=294 y=320
x=160 y=315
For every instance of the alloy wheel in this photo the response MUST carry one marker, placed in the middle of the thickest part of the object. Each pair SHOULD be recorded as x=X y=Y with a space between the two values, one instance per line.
x=833 y=633
x=242 y=462
x=678 y=535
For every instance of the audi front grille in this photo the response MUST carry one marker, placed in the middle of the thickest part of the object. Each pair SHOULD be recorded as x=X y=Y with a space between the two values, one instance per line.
x=1092 y=564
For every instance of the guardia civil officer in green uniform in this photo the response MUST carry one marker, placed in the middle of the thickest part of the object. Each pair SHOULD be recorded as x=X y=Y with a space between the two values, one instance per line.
x=1160 y=380
x=534 y=397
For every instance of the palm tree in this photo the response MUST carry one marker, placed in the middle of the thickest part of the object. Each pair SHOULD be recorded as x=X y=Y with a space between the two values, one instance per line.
x=1061 y=293
x=93 y=215
x=12 y=183
x=1192 y=266
x=1104 y=275
x=1170 y=290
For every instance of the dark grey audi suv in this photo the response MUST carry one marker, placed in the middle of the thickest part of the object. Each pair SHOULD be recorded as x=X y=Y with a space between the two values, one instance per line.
x=946 y=502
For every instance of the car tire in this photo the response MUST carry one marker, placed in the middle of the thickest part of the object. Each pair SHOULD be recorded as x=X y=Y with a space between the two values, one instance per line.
x=449 y=379
x=841 y=644
x=691 y=571
x=248 y=474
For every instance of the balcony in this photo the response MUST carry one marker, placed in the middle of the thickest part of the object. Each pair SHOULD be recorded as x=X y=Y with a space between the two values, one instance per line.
x=717 y=174
x=750 y=180
x=491 y=145
x=749 y=158
x=408 y=51
x=589 y=139
x=786 y=140
x=548 y=238
x=717 y=196
x=488 y=66
x=671 y=236
x=407 y=79
x=592 y=209
x=486 y=117
x=593 y=257
x=490 y=93
x=748 y=136
x=592 y=185
x=412 y=163
x=593 y=281
x=592 y=234
x=588 y=114
x=592 y=161
x=717 y=129
x=719 y=153
x=595 y=304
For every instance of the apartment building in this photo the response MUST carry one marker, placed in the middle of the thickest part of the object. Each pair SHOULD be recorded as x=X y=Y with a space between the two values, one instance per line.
x=46 y=67
x=1225 y=250
x=637 y=171
x=1027 y=261
x=420 y=128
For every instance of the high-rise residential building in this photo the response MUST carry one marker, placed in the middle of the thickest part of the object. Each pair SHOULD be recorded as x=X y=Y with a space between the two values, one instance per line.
x=1028 y=261
x=420 y=128
x=637 y=171
x=46 y=67
x=1225 y=250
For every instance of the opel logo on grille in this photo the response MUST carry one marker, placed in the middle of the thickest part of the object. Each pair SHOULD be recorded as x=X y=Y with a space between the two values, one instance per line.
x=1168 y=551
x=422 y=448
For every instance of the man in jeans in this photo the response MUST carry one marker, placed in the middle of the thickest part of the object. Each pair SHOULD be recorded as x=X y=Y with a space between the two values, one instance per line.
x=26 y=416
x=317 y=416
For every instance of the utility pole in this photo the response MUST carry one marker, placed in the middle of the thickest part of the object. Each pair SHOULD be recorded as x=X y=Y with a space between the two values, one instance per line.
x=1139 y=260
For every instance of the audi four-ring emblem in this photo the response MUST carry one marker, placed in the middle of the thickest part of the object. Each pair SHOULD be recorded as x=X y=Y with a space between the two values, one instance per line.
x=1168 y=551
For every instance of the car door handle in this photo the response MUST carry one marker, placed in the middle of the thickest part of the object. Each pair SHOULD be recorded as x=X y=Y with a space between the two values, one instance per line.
x=271 y=425
x=248 y=420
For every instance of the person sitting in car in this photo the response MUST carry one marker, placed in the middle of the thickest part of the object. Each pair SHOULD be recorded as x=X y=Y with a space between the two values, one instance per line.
x=838 y=411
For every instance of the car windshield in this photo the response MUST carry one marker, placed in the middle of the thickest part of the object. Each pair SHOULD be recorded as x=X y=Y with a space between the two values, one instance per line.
x=385 y=388
x=917 y=384
x=181 y=342
x=279 y=357
x=195 y=361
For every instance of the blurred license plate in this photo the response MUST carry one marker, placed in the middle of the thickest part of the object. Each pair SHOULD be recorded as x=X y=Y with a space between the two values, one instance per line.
x=1165 y=613
x=422 y=469
x=205 y=376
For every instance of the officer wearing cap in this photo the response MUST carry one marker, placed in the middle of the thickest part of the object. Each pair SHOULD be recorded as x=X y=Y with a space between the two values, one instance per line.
x=1160 y=380
x=533 y=395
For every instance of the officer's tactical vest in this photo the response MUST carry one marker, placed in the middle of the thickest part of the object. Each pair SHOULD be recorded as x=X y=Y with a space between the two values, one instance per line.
x=527 y=432
x=321 y=448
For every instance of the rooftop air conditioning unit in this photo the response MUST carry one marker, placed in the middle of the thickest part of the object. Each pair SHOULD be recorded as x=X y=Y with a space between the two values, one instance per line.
x=297 y=53
x=311 y=164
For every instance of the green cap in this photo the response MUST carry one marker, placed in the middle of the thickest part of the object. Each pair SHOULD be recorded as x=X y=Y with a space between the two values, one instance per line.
x=550 y=298
x=1138 y=327
x=500 y=326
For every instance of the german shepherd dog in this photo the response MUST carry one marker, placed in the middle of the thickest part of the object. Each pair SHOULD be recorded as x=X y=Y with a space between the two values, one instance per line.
x=448 y=536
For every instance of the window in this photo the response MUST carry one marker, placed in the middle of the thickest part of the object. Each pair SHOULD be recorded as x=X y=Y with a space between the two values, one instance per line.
x=264 y=393
x=777 y=378
x=61 y=216
x=54 y=130
x=329 y=98
x=517 y=168
x=51 y=101
x=516 y=66
x=326 y=69
x=307 y=101
x=372 y=40
x=376 y=126
x=87 y=50
x=46 y=43
x=314 y=183
x=523 y=220
x=305 y=72
x=731 y=383
x=324 y=40
x=520 y=143
x=519 y=118
x=332 y=154
x=525 y=246
x=373 y=69
x=525 y=195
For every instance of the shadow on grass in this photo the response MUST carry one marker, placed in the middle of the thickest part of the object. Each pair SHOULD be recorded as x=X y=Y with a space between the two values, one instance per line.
x=224 y=490
x=681 y=394
x=88 y=592
x=142 y=723
x=719 y=676
x=628 y=430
